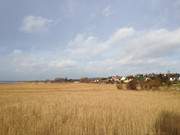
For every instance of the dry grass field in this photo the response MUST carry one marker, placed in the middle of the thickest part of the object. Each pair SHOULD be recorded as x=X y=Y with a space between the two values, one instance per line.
x=84 y=109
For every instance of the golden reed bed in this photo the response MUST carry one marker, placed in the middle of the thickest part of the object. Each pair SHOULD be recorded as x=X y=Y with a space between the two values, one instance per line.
x=82 y=109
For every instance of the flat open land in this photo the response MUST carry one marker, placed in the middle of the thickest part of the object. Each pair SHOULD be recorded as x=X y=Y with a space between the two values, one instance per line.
x=81 y=109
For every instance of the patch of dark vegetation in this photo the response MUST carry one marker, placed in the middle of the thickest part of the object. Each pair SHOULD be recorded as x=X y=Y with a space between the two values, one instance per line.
x=119 y=86
x=168 y=123
x=132 y=85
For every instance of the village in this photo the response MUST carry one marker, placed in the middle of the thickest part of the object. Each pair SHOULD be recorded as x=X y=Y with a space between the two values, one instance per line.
x=131 y=82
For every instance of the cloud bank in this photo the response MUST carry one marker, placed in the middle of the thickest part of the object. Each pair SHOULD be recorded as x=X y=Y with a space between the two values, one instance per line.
x=125 y=51
x=129 y=50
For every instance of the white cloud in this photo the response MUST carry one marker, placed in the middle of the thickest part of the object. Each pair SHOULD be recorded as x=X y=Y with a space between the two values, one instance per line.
x=154 y=43
x=128 y=48
x=35 y=24
x=125 y=51
x=88 y=46
x=107 y=11
x=120 y=34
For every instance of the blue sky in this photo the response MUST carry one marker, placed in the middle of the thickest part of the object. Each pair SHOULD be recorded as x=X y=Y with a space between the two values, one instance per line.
x=41 y=39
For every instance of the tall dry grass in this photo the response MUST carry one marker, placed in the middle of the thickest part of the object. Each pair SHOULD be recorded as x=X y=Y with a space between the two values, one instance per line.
x=168 y=123
x=81 y=109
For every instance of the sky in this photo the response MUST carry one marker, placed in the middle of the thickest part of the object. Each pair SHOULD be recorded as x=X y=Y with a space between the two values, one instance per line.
x=45 y=39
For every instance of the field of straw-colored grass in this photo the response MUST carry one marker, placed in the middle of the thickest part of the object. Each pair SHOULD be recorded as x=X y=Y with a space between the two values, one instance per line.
x=81 y=109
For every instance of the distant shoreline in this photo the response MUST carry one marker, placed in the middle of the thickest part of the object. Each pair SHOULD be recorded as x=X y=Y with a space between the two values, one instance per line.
x=8 y=82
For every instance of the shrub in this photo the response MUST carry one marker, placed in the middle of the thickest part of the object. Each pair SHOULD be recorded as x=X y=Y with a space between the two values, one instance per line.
x=119 y=86
x=168 y=123
x=132 y=85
